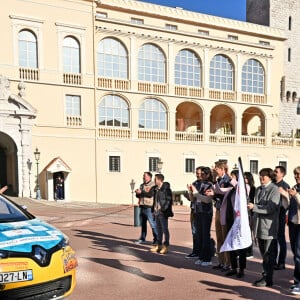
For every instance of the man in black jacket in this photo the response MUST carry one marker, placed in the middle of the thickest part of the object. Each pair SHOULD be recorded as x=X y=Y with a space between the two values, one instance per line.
x=162 y=208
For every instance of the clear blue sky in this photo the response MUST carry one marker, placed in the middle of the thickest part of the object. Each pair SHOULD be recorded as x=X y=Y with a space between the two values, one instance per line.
x=233 y=9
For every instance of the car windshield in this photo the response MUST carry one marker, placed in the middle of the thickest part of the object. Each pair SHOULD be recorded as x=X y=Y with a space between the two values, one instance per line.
x=11 y=212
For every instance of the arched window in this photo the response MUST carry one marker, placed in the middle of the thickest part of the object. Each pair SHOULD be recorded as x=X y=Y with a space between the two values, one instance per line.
x=151 y=64
x=113 y=111
x=112 y=59
x=27 y=49
x=298 y=108
x=71 y=55
x=221 y=73
x=187 y=69
x=253 y=77
x=153 y=115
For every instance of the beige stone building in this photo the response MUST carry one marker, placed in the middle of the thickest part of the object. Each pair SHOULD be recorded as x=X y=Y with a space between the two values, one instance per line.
x=108 y=89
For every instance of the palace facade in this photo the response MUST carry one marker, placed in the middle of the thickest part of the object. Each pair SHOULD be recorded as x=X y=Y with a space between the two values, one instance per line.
x=106 y=90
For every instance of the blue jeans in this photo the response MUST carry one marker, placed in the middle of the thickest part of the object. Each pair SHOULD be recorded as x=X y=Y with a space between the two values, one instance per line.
x=281 y=237
x=146 y=215
x=203 y=222
x=294 y=232
x=162 y=229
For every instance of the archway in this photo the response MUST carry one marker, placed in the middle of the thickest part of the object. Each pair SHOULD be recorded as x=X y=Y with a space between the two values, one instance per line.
x=9 y=164
x=189 y=117
x=253 y=122
x=222 y=120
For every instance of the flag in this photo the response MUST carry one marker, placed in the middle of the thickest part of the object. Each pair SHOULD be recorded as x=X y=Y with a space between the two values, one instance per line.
x=239 y=236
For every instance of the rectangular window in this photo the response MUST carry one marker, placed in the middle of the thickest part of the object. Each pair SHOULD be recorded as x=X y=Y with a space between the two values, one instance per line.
x=233 y=37
x=171 y=27
x=189 y=165
x=101 y=15
x=137 y=21
x=290 y=23
x=298 y=109
x=203 y=32
x=114 y=164
x=73 y=105
x=153 y=164
x=283 y=164
x=264 y=43
x=289 y=55
x=254 y=166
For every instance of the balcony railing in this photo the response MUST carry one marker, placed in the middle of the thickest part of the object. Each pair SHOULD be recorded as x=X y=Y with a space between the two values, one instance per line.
x=156 y=88
x=110 y=83
x=222 y=138
x=222 y=95
x=189 y=136
x=118 y=133
x=72 y=78
x=152 y=135
x=254 y=98
x=29 y=74
x=255 y=140
x=283 y=141
x=188 y=91
x=74 y=121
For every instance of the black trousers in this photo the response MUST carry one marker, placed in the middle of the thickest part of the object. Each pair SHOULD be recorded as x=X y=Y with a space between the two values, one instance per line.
x=267 y=250
x=238 y=258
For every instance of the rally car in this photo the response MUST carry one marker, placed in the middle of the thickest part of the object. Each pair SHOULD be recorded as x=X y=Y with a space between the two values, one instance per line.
x=36 y=261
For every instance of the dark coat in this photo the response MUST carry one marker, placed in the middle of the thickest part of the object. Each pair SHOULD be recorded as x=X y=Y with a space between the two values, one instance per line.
x=163 y=200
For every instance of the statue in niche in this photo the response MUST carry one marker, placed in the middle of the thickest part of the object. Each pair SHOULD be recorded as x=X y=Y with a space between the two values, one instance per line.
x=4 y=88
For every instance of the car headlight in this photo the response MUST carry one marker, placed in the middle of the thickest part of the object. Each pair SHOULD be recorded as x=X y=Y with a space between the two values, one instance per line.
x=3 y=254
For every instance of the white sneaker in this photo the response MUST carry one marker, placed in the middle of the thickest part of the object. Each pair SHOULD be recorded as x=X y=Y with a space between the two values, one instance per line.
x=206 y=263
x=198 y=262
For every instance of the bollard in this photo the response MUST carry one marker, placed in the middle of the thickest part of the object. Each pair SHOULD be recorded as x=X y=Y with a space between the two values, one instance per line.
x=137 y=216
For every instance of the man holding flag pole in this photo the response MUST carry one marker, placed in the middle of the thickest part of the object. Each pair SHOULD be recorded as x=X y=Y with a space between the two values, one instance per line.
x=239 y=235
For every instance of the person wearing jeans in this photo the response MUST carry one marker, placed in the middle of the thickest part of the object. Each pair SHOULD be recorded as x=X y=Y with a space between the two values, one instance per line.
x=145 y=195
x=162 y=208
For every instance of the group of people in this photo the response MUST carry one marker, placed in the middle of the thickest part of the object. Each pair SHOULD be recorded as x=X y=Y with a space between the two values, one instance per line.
x=271 y=206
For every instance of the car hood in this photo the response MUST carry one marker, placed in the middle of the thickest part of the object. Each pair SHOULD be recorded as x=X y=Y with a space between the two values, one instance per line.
x=21 y=236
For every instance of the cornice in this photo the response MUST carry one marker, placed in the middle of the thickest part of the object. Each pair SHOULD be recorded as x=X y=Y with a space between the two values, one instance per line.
x=184 y=16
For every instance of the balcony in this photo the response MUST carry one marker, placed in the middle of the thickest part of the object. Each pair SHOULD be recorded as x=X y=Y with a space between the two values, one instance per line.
x=253 y=140
x=222 y=138
x=29 y=74
x=254 y=98
x=155 y=88
x=185 y=136
x=116 y=133
x=110 y=83
x=72 y=78
x=222 y=95
x=144 y=134
x=188 y=91
x=74 y=121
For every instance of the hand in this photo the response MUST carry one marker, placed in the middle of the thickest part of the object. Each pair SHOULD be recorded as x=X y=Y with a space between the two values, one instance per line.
x=292 y=192
x=2 y=190
x=284 y=192
x=138 y=191
x=250 y=205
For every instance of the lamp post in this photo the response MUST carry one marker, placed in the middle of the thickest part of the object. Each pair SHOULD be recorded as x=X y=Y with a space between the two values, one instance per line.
x=29 y=165
x=37 y=155
x=159 y=165
x=132 y=185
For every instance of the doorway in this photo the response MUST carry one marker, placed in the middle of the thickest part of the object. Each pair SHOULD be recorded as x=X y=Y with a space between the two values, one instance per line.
x=59 y=186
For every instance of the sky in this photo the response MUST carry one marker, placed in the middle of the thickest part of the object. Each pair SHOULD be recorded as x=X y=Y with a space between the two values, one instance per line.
x=233 y=9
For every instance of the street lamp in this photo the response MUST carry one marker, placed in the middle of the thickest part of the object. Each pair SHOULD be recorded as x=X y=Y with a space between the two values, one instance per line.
x=159 y=165
x=132 y=185
x=29 y=165
x=37 y=155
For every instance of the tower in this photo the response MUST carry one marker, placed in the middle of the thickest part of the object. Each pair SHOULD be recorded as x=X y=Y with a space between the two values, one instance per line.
x=284 y=15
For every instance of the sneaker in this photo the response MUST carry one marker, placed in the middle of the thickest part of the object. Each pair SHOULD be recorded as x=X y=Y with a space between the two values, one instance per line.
x=296 y=290
x=250 y=256
x=198 y=262
x=206 y=263
x=164 y=250
x=140 y=241
x=225 y=268
x=192 y=255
